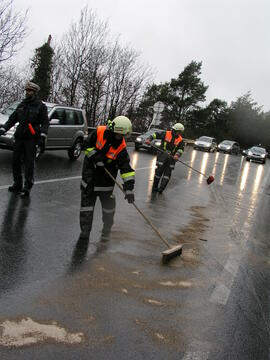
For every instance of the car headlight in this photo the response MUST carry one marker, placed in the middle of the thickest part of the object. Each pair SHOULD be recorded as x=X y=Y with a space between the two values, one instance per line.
x=262 y=155
x=157 y=143
x=139 y=139
x=250 y=153
x=196 y=143
x=219 y=146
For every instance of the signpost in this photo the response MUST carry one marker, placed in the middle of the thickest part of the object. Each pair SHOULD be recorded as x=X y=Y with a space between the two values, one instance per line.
x=158 y=108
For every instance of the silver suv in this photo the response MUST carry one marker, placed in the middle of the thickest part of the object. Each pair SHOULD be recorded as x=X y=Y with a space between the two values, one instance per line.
x=68 y=128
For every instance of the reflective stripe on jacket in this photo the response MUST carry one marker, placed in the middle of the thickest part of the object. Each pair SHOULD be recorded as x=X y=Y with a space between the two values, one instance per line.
x=112 y=153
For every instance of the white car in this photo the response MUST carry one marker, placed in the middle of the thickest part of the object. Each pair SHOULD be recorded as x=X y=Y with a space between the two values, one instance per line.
x=205 y=143
x=229 y=147
x=257 y=154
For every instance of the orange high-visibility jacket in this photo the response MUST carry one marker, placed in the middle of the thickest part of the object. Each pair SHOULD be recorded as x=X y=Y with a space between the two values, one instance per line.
x=112 y=153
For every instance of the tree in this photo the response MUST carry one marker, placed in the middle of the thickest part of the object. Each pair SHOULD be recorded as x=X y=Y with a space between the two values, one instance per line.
x=246 y=120
x=210 y=120
x=91 y=71
x=185 y=93
x=12 y=30
x=42 y=65
x=181 y=96
x=11 y=86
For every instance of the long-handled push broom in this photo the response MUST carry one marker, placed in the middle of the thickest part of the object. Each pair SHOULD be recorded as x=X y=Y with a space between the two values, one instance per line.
x=168 y=254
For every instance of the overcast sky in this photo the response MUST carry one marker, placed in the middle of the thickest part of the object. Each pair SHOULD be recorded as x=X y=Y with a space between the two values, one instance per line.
x=230 y=37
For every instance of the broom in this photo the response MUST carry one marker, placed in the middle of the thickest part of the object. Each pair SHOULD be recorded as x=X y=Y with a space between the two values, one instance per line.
x=172 y=251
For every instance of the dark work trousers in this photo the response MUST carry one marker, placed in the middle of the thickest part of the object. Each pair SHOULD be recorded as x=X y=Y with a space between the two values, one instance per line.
x=88 y=200
x=164 y=166
x=24 y=152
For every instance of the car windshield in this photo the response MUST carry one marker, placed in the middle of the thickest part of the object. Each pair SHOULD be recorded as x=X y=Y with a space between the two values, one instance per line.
x=258 y=150
x=226 y=142
x=205 y=138
x=10 y=109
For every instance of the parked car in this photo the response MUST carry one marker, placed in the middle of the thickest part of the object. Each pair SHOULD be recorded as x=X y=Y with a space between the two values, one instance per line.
x=258 y=154
x=205 y=143
x=68 y=129
x=229 y=147
x=140 y=140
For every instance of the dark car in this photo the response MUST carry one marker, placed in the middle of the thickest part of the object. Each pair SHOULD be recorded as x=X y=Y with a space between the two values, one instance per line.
x=229 y=147
x=205 y=143
x=140 y=140
x=258 y=154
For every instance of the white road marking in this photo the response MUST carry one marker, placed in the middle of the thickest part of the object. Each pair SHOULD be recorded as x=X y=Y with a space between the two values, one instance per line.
x=3 y=187
x=196 y=355
x=221 y=292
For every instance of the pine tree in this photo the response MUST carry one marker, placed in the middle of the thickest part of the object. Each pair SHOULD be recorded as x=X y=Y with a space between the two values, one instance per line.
x=42 y=65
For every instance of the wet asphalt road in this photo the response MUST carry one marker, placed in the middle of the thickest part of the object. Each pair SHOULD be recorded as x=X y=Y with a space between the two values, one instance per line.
x=114 y=298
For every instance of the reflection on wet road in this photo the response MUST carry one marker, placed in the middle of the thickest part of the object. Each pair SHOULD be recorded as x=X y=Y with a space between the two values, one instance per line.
x=210 y=303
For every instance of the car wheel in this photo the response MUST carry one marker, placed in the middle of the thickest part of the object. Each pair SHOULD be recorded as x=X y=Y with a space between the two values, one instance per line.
x=75 y=151
x=247 y=159
x=137 y=148
x=263 y=162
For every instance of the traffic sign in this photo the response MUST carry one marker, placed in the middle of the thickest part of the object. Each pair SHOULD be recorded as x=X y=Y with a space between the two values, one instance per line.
x=158 y=107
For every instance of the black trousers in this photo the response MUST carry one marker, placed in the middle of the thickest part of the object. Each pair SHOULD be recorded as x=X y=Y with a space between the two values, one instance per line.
x=165 y=164
x=24 y=152
x=88 y=200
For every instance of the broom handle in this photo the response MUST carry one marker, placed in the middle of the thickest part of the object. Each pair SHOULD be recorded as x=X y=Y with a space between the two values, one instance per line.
x=182 y=162
x=140 y=211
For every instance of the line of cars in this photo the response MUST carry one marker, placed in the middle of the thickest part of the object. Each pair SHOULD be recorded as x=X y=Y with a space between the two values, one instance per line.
x=209 y=144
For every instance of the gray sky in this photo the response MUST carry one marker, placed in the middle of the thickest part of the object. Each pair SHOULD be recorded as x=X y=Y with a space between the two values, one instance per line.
x=230 y=37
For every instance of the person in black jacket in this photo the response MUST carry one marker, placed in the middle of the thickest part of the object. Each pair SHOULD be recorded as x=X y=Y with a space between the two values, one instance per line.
x=172 y=145
x=32 y=118
x=105 y=148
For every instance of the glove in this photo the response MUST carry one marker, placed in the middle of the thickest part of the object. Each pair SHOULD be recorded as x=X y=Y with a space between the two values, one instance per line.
x=130 y=197
x=148 y=142
x=42 y=142
x=2 y=131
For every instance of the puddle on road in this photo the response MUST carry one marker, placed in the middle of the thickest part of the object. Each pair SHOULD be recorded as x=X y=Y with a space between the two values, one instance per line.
x=164 y=336
x=191 y=234
x=28 y=332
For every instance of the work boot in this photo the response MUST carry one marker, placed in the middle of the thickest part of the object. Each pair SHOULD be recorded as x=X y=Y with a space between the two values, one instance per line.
x=15 y=188
x=25 y=192
x=106 y=231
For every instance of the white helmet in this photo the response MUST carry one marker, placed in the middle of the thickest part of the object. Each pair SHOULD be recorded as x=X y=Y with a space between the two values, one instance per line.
x=121 y=125
x=178 y=127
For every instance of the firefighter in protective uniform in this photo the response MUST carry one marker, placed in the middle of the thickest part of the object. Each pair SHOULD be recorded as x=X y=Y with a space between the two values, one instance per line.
x=105 y=147
x=173 y=145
